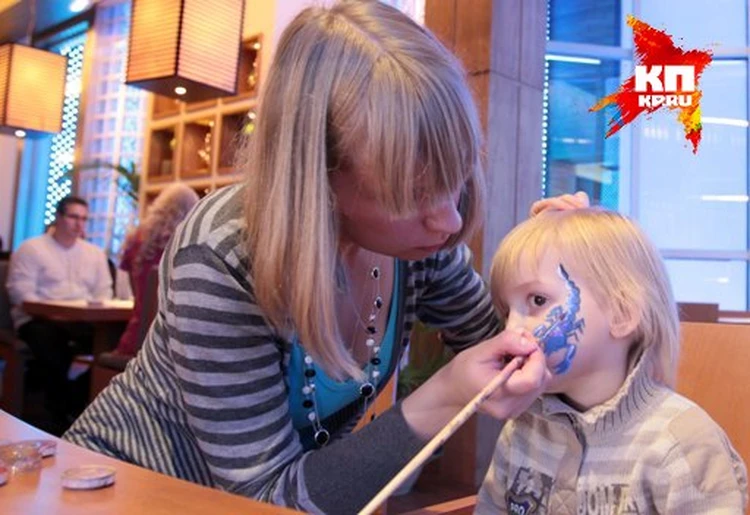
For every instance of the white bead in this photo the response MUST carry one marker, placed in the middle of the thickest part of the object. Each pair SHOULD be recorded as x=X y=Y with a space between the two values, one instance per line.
x=376 y=349
x=371 y=318
x=311 y=416
x=306 y=390
x=375 y=374
x=369 y=342
x=308 y=360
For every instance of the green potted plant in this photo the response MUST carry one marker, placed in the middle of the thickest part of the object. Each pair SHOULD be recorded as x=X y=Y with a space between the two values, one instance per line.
x=129 y=186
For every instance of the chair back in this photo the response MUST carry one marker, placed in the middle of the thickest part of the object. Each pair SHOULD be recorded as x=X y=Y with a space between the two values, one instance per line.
x=149 y=304
x=698 y=312
x=713 y=373
x=5 y=321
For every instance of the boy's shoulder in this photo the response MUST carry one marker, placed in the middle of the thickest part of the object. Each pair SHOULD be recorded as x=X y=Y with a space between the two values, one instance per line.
x=701 y=453
x=682 y=419
x=693 y=431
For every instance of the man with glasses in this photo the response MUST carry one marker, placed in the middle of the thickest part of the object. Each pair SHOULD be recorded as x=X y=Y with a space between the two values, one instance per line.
x=58 y=265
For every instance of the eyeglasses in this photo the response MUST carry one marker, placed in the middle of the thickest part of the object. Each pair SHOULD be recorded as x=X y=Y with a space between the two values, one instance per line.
x=77 y=218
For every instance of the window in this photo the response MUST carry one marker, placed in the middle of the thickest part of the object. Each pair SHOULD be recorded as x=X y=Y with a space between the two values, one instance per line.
x=693 y=206
x=115 y=124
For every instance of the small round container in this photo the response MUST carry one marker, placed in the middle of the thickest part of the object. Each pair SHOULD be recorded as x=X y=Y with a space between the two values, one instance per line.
x=4 y=474
x=46 y=448
x=20 y=457
x=88 y=477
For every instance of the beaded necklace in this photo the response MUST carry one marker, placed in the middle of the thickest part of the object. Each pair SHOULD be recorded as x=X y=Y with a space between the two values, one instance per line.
x=368 y=387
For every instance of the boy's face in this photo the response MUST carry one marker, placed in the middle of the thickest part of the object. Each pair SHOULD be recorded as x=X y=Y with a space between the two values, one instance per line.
x=586 y=361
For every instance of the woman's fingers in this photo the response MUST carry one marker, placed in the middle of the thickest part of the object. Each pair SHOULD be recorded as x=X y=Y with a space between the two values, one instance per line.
x=530 y=377
x=523 y=387
x=582 y=198
x=563 y=202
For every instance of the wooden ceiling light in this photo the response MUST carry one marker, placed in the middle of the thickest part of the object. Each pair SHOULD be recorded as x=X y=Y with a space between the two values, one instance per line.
x=185 y=49
x=32 y=89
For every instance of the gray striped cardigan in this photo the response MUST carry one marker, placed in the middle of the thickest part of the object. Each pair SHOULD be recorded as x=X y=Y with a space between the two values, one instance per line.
x=205 y=399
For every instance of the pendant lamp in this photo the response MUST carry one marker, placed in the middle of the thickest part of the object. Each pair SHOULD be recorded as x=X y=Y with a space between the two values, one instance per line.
x=32 y=89
x=185 y=49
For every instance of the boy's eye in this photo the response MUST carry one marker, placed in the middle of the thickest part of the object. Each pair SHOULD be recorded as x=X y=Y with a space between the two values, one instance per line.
x=538 y=300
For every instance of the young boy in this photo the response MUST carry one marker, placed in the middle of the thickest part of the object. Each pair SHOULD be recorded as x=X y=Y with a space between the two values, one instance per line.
x=609 y=435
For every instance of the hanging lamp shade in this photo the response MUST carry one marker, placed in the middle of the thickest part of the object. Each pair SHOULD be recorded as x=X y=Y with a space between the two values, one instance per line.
x=189 y=45
x=32 y=89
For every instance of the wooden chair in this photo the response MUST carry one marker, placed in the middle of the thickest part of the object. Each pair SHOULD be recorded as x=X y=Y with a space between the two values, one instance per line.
x=14 y=353
x=108 y=364
x=734 y=317
x=713 y=373
x=462 y=506
x=698 y=312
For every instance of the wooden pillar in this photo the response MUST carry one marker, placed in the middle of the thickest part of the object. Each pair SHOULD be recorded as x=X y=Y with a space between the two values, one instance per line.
x=501 y=44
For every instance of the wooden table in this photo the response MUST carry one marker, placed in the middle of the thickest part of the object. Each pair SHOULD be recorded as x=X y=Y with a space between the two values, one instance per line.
x=80 y=310
x=108 y=317
x=136 y=490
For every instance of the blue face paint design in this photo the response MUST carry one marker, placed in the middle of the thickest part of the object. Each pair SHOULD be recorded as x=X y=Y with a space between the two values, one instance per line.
x=562 y=325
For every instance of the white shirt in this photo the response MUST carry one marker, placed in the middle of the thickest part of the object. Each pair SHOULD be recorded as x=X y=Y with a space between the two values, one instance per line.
x=42 y=269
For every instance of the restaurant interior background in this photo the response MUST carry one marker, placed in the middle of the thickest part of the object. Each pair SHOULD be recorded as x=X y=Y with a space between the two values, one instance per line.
x=694 y=206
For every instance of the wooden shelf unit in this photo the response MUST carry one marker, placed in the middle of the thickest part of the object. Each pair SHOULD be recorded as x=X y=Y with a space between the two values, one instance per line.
x=196 y=143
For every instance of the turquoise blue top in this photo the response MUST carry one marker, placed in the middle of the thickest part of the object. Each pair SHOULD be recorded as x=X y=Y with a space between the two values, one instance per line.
x=332 y=395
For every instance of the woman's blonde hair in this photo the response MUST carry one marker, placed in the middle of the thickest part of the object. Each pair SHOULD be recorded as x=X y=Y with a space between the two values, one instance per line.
x=162 y=217
x=357 y=85
x=617 y=262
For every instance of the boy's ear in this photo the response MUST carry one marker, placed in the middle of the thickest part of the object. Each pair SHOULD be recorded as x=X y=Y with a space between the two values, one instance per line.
x=625 y=323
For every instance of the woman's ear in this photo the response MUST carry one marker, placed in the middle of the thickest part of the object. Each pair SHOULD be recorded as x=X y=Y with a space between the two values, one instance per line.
x=624 y=322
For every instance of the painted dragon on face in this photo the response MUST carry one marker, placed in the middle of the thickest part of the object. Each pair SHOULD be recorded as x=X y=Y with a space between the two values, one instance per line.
x=561 y=325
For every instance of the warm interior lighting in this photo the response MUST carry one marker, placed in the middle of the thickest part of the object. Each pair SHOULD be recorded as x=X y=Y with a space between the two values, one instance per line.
x=180 y=90
x=192 y=43
x=77 y=6
x=32 y=89
x=20 y=133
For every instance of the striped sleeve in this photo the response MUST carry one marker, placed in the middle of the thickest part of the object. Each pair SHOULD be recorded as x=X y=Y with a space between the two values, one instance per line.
x=701 y=473
x=229 y=371
x=455 y=299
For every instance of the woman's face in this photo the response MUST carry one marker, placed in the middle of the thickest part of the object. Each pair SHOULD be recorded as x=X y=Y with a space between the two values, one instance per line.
x=363 y=222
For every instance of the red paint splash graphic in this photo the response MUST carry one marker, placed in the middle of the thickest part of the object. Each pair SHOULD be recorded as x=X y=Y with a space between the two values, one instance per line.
x=656 y=48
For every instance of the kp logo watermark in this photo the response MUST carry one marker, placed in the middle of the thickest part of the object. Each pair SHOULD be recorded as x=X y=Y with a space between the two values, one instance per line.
x=666 y=77
x=670 y=86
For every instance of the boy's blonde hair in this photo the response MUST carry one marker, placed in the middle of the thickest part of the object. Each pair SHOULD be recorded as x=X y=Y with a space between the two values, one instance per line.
x=357 y=85
x=617 y=262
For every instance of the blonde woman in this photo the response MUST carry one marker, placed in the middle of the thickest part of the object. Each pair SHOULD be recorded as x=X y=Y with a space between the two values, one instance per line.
x=143 y=249
x=286 y=302
x=610 y=435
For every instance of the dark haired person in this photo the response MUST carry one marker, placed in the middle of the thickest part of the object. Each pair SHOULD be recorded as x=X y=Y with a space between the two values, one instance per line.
x=59 y=265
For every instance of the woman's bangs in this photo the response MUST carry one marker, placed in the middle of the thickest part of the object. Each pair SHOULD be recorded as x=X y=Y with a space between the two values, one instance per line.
x=425 y=141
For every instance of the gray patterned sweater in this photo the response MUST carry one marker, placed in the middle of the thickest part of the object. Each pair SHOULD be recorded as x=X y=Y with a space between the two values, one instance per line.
x=205 y=399
x=646 y=450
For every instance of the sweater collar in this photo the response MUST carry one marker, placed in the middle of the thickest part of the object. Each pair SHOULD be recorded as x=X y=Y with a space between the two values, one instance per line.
x=631 y=400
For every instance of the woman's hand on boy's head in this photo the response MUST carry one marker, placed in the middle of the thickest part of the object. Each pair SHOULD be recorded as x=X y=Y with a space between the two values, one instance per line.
x=560 y=203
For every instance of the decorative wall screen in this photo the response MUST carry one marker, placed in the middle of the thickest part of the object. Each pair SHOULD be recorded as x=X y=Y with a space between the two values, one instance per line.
x=114 y=128
x=63 y=143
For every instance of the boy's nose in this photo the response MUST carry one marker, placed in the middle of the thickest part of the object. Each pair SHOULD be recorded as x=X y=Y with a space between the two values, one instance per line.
x=517 y=321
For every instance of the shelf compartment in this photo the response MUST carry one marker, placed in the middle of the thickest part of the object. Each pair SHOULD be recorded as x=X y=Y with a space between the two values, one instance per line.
x=161 y=154
x=197 y=148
